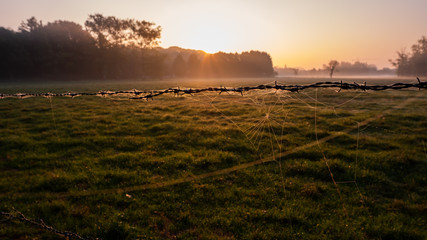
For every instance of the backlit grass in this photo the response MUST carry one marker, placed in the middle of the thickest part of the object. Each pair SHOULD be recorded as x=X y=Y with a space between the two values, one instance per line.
x=70 y=161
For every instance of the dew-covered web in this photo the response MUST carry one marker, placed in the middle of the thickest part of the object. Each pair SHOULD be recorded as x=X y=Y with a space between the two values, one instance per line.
x=279 y=115
x=268 y=120
x=263 y=129
x=284 y=130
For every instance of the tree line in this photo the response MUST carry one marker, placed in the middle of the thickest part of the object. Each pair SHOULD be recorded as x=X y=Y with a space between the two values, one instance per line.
x=335 y=67
x=407 y=63
x=111 y=48
x=412 y=63
x=245 y=64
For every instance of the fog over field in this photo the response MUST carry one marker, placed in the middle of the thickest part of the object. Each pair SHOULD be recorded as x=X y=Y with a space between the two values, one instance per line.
x=213 y=119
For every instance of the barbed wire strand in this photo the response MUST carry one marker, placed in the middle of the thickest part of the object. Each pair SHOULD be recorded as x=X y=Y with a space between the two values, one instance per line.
x=151 y=94
x=19 y=216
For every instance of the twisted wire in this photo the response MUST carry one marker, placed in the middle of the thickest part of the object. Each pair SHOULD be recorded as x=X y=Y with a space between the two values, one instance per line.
x=151 y=94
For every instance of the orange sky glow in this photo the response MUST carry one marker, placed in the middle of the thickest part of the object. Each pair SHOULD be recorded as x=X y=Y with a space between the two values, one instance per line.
x=304 y=34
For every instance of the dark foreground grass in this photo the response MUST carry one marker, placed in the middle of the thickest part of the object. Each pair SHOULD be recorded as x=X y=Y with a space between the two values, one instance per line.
x=79 y=165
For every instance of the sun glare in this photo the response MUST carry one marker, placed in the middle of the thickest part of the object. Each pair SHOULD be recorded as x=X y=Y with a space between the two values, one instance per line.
x=211 y=36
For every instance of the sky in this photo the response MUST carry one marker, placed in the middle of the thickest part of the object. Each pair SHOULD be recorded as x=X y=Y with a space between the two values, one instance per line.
x=303 y=33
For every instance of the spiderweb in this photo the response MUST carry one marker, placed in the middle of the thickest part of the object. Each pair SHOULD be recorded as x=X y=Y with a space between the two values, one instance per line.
x=271 y=132
x=281 y=134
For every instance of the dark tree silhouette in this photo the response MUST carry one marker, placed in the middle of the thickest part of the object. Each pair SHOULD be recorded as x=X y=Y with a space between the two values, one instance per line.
x=69 y=45
x=193 y=65
x=414 y=63
x=115 y=37
x=179 y=67
x=30 y=25
x=331 y=67
x=60 y=48
x=113 y=48
x=296 y=70
x=111 y=31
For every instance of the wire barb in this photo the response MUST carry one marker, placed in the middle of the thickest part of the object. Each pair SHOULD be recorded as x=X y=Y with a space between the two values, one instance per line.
x=151 y=94
x=19 y=216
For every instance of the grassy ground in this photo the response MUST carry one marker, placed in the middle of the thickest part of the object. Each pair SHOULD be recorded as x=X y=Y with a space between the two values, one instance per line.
x=114 y=168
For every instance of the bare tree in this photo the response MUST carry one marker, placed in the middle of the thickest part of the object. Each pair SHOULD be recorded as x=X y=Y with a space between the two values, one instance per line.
x=296 y=70
x=333 y=64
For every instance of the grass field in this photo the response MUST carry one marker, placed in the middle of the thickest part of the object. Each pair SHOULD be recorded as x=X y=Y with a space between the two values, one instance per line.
x=318 y=164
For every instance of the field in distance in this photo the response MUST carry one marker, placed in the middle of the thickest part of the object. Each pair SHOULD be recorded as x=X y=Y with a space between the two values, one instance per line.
x=318 y=164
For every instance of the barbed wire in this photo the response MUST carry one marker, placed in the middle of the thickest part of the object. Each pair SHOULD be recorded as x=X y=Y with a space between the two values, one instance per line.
x=151 y=94
x=9 y=216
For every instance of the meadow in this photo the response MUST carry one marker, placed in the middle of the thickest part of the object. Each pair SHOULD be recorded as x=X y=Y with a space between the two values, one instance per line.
x=318 y=164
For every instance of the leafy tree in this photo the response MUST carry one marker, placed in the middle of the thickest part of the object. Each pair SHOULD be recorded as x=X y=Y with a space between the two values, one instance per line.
x=14 y=57
x=113 y=48
x=60 y=48
x=111 y=31
x=357 y=68
x=30 y=25
x=256 y=64
x=414 y=63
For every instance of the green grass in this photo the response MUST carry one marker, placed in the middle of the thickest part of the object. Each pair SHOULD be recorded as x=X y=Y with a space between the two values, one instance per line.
x=79 y=164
